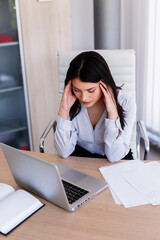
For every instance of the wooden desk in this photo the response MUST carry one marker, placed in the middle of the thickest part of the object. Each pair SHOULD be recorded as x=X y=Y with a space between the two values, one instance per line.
x=100 y=218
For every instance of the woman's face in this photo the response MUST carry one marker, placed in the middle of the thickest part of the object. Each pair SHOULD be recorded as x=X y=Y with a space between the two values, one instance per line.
x=88 y=93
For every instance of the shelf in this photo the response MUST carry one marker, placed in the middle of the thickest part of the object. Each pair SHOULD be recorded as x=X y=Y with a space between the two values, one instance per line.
x=11 y=126
x=10 y=89
x=8 y=44
x=14 y=110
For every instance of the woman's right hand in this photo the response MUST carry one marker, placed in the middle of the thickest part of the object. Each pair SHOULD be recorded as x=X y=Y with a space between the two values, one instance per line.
x=68 y=99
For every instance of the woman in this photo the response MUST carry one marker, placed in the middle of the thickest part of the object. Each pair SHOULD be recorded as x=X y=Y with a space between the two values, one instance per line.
x=95 y=117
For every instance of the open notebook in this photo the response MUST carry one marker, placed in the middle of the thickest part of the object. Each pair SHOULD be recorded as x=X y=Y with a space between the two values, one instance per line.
x=15 y=207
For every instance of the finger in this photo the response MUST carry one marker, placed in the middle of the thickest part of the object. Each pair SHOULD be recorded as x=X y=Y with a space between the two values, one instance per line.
x=107 y=92
x=68 y=87
x=68 y=84
x=104 y=86
x=104 y=89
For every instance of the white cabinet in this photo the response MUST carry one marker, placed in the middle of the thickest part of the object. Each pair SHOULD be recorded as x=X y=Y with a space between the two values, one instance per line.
x=14 y=114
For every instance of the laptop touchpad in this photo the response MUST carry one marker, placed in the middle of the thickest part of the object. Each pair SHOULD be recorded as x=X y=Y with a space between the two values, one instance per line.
x=73 y=176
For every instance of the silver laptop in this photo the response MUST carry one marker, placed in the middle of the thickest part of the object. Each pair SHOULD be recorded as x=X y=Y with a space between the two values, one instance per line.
x=54 y=182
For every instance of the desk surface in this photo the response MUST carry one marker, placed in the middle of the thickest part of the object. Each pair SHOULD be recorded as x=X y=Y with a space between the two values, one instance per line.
x=100 y=218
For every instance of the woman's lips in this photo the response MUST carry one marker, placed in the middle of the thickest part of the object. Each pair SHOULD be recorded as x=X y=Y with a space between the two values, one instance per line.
x=86 y=103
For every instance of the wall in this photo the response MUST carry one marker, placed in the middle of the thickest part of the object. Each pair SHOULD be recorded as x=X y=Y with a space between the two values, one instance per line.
x=82 y=24
x=95 y=24
x=134 y=27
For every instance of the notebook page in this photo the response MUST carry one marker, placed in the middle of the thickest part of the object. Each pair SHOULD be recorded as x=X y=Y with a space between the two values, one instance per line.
x=5 y=190
x=16 y=208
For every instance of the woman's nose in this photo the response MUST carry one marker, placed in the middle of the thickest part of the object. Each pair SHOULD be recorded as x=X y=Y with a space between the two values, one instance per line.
x=84 y=96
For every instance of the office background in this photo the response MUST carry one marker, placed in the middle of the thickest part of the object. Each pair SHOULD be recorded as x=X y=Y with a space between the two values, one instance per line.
x=122 y=24
x=45 y=27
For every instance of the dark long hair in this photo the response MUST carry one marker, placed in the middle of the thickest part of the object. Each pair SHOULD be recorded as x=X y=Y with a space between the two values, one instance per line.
x=91 y=67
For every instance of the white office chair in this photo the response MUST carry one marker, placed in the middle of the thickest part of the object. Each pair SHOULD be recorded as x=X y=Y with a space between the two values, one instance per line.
x=122 y=66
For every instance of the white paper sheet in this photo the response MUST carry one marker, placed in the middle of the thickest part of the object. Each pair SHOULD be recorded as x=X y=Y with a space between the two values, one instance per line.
x=117 y=201
x=126 y=193
x=146 y=180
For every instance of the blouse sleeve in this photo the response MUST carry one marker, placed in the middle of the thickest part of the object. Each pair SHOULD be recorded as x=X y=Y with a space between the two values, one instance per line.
x=65 y=137
x=117 y=148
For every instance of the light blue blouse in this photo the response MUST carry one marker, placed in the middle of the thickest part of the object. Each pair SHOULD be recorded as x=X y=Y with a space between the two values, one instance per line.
x=103 y=138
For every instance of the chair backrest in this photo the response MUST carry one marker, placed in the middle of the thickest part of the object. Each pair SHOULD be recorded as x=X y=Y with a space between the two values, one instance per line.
x=122 y=66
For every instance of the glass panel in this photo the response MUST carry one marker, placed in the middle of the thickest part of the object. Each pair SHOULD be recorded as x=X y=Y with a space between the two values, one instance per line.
x=8 y=23
x=10 y=66
x=13 y=121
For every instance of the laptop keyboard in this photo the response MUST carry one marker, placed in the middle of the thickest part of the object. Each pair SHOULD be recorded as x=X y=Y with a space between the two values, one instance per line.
x=73 y=192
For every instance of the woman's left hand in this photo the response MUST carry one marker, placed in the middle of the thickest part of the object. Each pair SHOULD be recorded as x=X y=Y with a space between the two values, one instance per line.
x=109 y=100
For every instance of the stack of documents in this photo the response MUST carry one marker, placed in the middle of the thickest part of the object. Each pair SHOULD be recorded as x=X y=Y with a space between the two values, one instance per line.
x=134 y=183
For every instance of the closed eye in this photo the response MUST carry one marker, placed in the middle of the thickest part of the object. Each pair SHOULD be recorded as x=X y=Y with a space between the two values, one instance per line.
x=76 y=90
x=91 y=91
